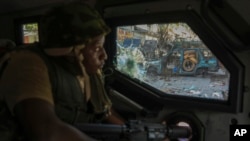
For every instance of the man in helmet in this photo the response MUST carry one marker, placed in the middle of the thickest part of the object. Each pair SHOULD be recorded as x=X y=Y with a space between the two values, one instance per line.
x=44 y=92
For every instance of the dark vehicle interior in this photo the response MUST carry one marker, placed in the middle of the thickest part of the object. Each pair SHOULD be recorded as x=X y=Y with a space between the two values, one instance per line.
x=208 y=104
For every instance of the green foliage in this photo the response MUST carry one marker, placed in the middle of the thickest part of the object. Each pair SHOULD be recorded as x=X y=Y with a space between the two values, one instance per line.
x=30 y=26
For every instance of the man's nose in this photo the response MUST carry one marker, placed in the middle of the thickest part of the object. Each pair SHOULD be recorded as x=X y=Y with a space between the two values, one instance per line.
x=104 y=55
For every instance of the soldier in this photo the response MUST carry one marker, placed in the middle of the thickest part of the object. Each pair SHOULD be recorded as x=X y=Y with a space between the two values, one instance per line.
x=46 y=89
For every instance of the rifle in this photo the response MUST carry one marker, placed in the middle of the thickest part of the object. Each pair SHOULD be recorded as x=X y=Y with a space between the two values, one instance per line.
x=134 y=130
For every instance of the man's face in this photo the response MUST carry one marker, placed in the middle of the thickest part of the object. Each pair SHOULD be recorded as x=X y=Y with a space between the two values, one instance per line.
x=94 y=54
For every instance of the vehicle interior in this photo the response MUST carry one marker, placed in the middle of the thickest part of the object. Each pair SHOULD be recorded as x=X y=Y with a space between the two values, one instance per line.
x=194 y=74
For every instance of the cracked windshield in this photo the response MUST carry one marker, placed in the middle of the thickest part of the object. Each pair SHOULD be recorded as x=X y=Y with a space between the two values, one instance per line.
x=171 y=58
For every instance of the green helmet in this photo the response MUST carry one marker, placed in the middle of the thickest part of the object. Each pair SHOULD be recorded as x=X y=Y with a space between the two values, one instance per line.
x=71 y=24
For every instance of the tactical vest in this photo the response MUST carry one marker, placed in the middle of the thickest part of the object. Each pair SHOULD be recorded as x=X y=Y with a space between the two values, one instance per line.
x=70 y=104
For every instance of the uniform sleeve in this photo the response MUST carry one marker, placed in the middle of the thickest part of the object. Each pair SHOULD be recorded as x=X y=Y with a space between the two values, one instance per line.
x=25 y=77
